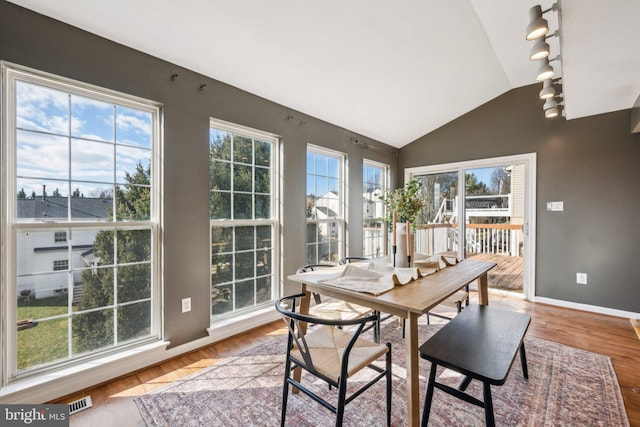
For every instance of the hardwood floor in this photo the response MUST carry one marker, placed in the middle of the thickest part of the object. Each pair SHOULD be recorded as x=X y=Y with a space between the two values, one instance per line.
x=611 y=336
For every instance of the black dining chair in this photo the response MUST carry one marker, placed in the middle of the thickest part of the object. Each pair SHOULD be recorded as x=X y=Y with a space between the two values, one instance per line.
x=332 y=355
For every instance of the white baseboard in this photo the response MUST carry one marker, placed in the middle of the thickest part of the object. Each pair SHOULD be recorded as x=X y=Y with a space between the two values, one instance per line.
x=587 y=307
x=46 y=387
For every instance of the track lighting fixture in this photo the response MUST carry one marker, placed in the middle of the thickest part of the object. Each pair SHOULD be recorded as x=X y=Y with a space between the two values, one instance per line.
x=540 y=50
x=547 y=89
x=538 y=26
x=537 y=32
x=545 y=71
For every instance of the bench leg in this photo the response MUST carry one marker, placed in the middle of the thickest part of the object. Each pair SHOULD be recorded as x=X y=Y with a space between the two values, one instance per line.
x=523 y=361
x=429 y=396
x=488 y=406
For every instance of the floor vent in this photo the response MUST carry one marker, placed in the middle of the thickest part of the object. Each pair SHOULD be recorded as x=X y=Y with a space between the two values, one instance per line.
x=79 y=405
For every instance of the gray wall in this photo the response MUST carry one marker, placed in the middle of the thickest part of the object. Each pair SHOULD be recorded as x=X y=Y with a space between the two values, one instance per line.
x=592 y=164
x=39 y=42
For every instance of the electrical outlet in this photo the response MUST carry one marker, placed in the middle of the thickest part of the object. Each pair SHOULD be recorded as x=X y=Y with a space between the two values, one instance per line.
x=186 y=304
x=581 y=278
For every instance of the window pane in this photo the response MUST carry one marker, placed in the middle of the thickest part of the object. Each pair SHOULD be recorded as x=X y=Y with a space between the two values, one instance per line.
x=133 y=202
x=221 y=239
x=263 y=290
x=91 y=119
x=322 y=165
x=133 y=127
x=263 y=262
x=221 y=299
x=42 y=343
x=220 y=145
x=242 y=178
x=134 y=321
x=42 y=109
x=90 y=201
x=244 y=238
x=42 y=296
x=134 y=282
x=242 y=149
x=262 y=180
x=95 y=288
x=244 y=265
x=131 y=163
x=42 y=156
x=263 y=236
x=242 y=206
x=221 y=271
x=220 y=176
x=92 y=161
x=263 y=207
x=220 y=205
x=92 y=331
x=134 y=246
x=263 y=153
x=245 y=294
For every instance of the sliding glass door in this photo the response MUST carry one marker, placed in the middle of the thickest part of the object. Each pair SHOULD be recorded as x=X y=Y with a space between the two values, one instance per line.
x=482 y=210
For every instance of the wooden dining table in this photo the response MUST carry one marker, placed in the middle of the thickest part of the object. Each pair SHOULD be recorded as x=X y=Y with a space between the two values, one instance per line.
x=408 y=301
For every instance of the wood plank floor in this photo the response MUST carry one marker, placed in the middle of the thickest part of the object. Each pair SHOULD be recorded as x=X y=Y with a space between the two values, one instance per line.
x=610 y=336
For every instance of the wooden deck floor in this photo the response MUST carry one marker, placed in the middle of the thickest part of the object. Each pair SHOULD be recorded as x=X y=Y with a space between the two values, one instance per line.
x=508 y=273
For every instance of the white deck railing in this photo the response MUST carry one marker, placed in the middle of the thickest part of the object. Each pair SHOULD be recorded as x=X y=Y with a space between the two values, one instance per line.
x=499 y=239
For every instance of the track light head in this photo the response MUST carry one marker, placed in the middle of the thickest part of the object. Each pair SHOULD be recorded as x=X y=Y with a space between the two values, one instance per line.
x=551 y=113
x=540 y=50
x=538 y=26
x=545 y=71
x=548 y=90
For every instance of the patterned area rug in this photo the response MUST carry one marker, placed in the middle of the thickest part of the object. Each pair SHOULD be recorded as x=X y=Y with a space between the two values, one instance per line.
x=566 y=387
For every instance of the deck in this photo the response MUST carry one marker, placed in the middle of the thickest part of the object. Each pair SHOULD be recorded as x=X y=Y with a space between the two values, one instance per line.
x=508 y=273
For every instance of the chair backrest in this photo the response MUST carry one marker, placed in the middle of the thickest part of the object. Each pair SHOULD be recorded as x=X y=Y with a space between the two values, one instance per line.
x=313 y=267
x=349 y=259
x=297 y=324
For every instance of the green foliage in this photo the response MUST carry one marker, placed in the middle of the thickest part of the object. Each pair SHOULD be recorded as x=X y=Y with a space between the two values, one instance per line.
x=475 y=187
x=22 y=194
x=94 y=329
x=406 y=201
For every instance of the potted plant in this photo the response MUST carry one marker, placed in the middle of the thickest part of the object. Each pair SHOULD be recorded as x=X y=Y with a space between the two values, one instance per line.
x=402 y=208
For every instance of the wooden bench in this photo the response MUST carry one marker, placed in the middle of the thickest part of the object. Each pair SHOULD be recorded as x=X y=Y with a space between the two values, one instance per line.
x=481 y=343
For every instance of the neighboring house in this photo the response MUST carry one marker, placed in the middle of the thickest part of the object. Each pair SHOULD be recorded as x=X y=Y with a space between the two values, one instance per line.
x=44 y=257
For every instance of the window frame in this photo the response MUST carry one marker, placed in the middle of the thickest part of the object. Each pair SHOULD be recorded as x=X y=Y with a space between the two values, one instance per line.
x=274 y=221
x=385 y=169
x=12 y=225
x=342 y=198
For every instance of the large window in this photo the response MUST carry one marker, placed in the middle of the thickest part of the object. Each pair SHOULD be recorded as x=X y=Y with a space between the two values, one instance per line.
x=244 y=220
x=375 y=178
x=80 y=187
x=325 y=205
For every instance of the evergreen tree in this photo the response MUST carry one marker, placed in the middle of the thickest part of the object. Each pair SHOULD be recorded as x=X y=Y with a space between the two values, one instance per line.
x=95 y=329
x=22 y=194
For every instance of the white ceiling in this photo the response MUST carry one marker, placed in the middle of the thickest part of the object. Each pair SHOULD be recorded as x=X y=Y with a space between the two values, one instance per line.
x=390 y=70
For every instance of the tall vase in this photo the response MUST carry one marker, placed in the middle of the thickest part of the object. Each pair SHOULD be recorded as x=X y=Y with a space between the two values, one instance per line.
x=401 y=245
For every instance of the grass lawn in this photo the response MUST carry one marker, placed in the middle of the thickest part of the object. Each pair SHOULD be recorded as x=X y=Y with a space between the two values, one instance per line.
x=47 y=340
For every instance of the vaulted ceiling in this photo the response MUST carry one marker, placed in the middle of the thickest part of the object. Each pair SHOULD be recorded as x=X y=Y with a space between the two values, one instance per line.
x=390 y=70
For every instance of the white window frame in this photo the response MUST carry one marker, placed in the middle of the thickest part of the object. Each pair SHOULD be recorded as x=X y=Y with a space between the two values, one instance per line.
x=342 y=197
x=385 y=187
x=11 y=225
x=274 y=221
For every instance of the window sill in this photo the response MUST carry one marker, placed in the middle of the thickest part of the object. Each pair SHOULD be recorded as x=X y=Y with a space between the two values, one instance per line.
x=226 y=328
x=46 y=387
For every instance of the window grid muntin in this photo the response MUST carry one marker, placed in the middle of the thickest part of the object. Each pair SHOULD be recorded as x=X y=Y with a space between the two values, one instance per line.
x=12 y=74
x=232 y=222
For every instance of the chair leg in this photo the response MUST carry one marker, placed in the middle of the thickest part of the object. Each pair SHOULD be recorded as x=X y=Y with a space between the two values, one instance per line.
x=285 y=391
x=389 y=384
x=523 y=361
x=429 y=396
x=376 y=329
x=488 y=406
x=342 y=397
